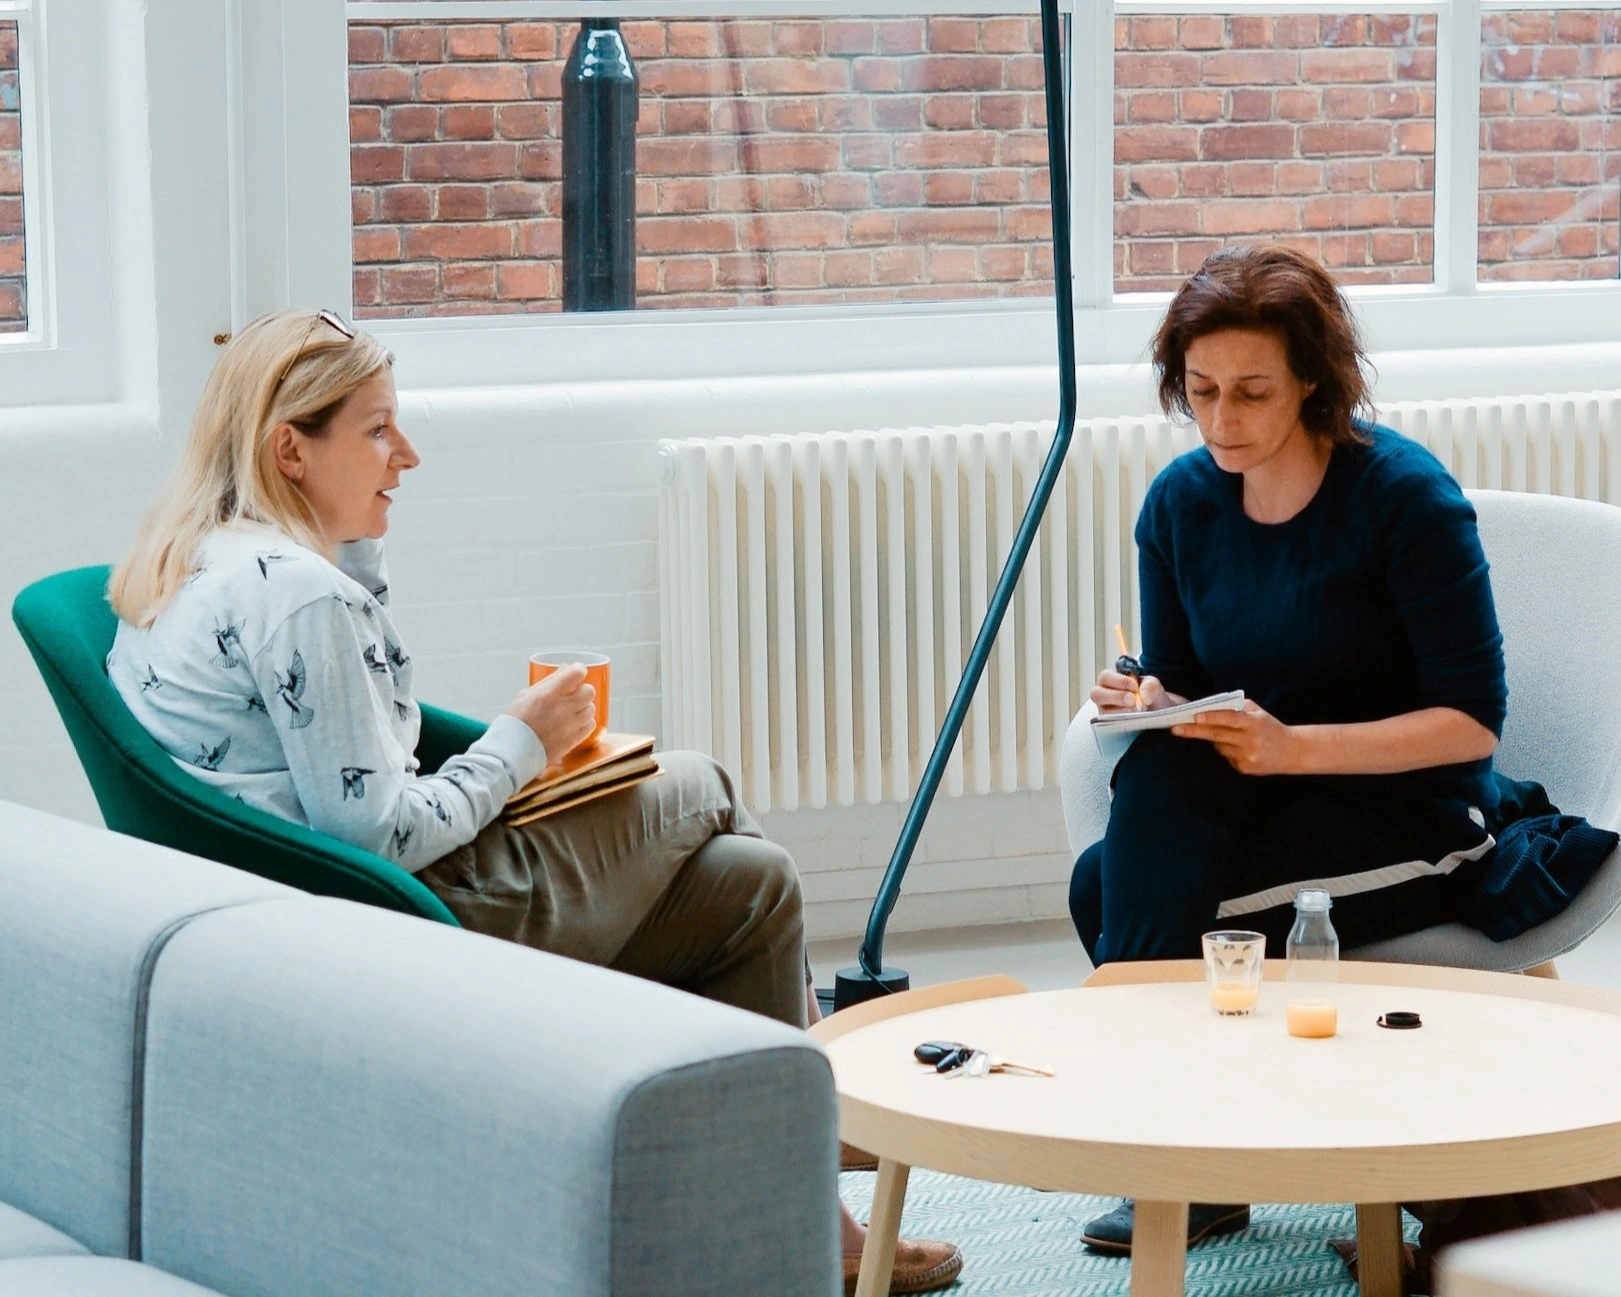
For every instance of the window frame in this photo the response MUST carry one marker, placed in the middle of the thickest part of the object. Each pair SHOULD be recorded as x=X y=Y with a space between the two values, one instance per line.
x=33 y=131
x=1453 y=311
x=79 y=291
x=36 y=308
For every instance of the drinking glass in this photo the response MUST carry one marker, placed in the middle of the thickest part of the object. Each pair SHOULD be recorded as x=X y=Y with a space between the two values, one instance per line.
x=1233 y=962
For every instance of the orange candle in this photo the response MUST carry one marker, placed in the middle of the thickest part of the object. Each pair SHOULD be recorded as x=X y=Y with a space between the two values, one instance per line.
x=1312 y=1019
x=1233 y=997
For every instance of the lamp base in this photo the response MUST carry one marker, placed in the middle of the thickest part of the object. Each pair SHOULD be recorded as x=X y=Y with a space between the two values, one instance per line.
x=853 y=986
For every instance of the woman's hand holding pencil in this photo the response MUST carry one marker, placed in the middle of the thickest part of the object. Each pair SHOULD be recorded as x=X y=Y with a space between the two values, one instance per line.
x=1127 y=665
x=1125 y=687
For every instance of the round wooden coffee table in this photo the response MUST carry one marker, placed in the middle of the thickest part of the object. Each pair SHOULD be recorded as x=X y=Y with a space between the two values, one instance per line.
x=1509 y=1085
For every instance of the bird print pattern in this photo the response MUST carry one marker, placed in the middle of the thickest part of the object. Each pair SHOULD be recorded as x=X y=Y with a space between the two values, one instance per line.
x=367 y=607
x=291 y=688
x=397 y=657
x=252 y=687
x=266 y=560
x=228 y=640
x=211 y=758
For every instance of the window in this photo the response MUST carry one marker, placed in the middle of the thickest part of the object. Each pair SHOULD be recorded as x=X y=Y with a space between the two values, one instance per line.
x=1550 y=144
x=884 y=206
x=1313 y=130
x=76 y=215
x=778 y=162
x=13 y=262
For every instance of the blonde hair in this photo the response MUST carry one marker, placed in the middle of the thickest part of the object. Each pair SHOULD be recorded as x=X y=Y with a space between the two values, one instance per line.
x=285 y=367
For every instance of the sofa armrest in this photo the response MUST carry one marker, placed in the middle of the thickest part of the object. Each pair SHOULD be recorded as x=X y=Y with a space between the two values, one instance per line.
x=339 y=1100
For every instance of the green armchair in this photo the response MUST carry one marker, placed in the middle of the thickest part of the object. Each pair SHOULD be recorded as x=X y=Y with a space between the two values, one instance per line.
x=68 y=626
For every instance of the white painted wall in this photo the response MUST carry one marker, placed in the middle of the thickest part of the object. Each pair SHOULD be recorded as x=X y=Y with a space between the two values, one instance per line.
x=532 y=521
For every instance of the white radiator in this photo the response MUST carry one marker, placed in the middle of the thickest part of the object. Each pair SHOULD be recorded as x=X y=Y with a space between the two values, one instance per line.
x=820 y=592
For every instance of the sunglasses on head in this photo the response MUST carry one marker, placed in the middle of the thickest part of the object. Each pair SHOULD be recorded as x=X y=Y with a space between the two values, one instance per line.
x=323 y=316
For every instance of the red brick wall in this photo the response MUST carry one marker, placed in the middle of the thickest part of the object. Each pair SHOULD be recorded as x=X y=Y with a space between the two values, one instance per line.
x=1314 y=131
x=1550 y=142
x=846 y=160
x=780 y=162
x=13 y=301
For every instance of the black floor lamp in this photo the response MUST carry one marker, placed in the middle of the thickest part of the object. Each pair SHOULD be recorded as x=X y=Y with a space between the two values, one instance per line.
x=869 y=978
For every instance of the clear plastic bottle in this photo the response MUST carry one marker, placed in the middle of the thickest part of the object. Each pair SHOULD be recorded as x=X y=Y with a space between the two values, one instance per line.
x=1313 y=952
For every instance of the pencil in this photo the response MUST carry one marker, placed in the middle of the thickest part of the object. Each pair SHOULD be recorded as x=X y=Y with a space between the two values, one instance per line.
x=1125 y=652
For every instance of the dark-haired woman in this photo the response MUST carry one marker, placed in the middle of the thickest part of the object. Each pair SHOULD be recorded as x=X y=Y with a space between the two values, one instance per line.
x=1332 y=571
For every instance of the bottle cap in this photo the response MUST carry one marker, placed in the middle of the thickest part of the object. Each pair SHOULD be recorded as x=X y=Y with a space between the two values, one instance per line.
x=1400 y=1020
x=1312 y=899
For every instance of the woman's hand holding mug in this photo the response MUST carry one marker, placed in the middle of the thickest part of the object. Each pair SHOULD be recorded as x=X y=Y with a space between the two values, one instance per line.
x=561 y=709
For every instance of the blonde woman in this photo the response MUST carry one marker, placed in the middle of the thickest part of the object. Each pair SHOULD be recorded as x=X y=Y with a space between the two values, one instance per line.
x=255 y=645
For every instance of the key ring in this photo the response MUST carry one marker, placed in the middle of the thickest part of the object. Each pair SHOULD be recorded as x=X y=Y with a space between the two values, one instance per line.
x=953 y=1058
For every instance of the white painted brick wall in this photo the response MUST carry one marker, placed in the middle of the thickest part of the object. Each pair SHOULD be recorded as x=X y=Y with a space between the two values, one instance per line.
x=554 y=520
x=64 y=502
x=532 y=523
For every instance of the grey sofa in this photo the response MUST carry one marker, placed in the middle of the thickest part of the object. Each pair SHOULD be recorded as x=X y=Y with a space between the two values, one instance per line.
x=209 y=1083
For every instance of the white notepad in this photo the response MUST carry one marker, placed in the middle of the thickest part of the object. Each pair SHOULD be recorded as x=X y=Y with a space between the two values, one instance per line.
x=1114 y=731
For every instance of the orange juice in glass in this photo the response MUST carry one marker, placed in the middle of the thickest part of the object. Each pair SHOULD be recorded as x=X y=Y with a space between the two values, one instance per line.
x=1233 y=963
x=1312 y=1019
x=1313 y=951
x=596 y=667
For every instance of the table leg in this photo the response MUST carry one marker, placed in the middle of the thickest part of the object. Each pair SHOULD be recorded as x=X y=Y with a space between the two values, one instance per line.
x=1159 y=1249
x=884 y=1227
x=1378 y=1249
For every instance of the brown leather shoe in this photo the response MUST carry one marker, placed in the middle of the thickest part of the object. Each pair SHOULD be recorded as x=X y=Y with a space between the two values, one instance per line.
x=921 y=1265
x=852 y=1158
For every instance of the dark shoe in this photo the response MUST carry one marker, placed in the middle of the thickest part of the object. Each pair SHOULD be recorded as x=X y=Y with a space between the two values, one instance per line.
x=921 y=1265
x=1111 y=1234
x=1417 y=1277
x=852 y=1158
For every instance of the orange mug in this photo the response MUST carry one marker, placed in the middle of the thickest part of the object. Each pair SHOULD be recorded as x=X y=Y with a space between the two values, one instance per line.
x=596 y=666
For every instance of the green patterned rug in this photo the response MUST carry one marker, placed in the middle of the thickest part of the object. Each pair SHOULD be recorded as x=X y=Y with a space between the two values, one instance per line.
x=1021 y=1243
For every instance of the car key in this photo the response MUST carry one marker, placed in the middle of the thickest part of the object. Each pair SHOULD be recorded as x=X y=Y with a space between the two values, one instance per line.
x=932 y=1051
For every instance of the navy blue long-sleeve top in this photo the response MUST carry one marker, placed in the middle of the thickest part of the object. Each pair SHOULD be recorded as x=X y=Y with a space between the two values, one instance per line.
x=1373 y=601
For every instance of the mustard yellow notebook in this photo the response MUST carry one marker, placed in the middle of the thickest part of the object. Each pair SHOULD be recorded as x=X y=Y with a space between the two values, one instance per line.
x=518 y=817
x=614 y=762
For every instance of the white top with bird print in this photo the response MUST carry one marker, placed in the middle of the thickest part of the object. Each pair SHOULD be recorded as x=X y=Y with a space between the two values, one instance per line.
x=280 y=679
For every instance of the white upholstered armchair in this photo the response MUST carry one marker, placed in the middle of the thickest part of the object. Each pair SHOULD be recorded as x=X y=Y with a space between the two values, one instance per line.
x=1556 y=578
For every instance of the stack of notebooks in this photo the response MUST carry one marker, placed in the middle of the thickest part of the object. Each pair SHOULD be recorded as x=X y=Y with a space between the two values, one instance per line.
x=614 y=762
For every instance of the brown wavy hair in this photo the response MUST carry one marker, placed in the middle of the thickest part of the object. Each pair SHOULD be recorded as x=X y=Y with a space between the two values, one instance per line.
x=1280 y=291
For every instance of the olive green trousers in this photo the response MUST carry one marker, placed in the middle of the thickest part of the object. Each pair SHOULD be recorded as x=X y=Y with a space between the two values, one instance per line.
x=671 y=880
